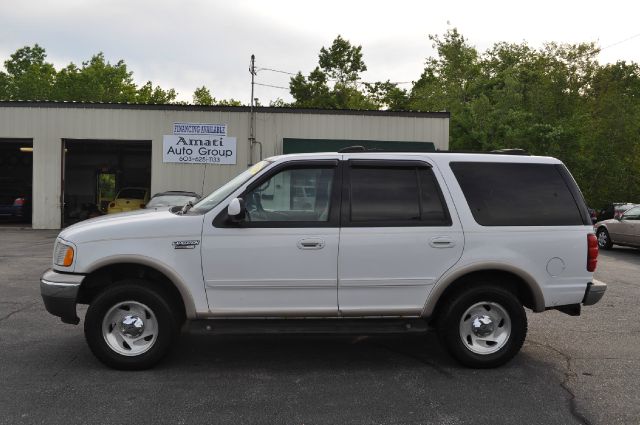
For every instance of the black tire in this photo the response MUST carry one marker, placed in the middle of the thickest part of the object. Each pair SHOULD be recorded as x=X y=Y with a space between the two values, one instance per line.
x=604 y=240
x=487 y=296
x=139 y=293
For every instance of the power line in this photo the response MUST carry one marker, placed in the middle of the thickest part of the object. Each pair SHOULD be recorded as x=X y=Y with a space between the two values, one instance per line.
x=271 y=85
x=280 y=71
x=621 y=41
x=276 y=70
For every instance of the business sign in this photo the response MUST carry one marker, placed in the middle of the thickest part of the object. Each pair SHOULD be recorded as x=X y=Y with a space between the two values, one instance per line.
x=191 y=128
x=199 y=149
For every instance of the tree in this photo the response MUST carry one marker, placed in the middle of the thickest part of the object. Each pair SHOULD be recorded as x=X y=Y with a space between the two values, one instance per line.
x=450 y=82
x=157 y=95
x=340 y=64
x=96 y=81
x=312 y=91
x=387 y=95
x=28 y=76
x=202 y=96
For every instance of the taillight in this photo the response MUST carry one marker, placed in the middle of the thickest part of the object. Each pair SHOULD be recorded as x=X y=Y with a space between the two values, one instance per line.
x=592 y=252
x=18 y=202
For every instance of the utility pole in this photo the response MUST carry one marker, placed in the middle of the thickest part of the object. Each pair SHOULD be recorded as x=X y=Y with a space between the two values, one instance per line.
x=252 y=139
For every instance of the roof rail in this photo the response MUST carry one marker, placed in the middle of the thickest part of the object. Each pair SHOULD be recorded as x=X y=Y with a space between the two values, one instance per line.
x=505 y=151
x=511 y=151
x=350 y=149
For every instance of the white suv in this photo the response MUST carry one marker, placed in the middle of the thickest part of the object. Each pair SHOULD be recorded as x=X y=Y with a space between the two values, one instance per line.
x=351 y=242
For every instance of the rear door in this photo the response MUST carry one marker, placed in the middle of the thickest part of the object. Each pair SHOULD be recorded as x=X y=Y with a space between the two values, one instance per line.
x=399 y=235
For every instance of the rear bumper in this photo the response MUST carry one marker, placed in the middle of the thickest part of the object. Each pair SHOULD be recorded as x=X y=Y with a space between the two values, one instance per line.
x=59 y=292
x=594 y=292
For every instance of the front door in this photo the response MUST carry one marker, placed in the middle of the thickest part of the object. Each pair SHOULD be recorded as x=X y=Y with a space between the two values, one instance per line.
x=398 y=237
x=281 y=259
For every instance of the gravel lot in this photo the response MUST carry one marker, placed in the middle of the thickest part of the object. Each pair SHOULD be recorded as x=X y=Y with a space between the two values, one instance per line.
x=571 y=369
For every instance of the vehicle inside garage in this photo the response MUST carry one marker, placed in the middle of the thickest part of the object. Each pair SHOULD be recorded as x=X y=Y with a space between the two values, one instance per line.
x=96 y=170
x=16 y=175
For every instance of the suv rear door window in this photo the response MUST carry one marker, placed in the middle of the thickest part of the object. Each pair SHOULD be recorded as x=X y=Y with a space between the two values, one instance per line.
x=517 y=194
x=395 y=196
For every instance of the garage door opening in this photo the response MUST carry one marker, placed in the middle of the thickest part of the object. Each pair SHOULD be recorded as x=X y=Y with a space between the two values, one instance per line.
x=16 y=178
x=94 y=171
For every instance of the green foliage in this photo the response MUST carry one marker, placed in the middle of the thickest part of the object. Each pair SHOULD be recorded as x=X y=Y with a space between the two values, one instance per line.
x=279 y=103
x=342 y=61
x=28 y=76
x=202 y=96
x=334 y=83
x=556 y=101
x=149 y=94
x=99 y=81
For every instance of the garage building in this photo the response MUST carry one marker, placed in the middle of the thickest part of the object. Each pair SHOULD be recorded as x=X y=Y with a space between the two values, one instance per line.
x=58 y=160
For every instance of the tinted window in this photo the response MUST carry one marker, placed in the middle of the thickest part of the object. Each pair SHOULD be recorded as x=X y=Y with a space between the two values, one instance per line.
x=507 y=194
x=384 y=194
x=395 y=195
x=433 y=210
x=302 y=194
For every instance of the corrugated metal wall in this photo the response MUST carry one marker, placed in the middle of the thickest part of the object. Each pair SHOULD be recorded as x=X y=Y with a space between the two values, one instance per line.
x=48 y=124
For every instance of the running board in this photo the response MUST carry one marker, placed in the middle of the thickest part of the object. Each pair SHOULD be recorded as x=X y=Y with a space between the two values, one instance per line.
x=308 y=326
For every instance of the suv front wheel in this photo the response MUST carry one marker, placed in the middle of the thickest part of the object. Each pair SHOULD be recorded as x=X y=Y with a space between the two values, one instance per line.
x=483 y=326
x=130 y=325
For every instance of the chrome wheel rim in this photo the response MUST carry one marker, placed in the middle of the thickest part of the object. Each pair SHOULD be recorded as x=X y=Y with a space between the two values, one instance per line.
x=485 y=327
x=130 y=328
x=602 y=238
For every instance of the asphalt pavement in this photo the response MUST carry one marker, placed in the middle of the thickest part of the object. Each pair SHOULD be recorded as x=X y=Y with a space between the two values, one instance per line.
x=571 y=370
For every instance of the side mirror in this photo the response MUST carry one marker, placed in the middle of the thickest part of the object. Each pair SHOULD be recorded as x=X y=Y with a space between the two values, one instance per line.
x=236 y=210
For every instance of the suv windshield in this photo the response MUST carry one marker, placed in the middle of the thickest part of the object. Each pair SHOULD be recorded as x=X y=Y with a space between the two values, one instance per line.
x=210 y=202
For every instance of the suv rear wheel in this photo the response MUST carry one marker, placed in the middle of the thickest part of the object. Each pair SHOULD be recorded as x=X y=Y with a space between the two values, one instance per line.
x=483 y=326
x=130 y=325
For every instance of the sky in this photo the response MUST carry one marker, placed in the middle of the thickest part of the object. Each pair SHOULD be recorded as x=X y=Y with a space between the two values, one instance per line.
x=189 y=43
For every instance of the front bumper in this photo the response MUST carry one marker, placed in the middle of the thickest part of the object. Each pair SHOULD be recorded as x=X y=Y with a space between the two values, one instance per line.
x=594 y=292
x=59 y=292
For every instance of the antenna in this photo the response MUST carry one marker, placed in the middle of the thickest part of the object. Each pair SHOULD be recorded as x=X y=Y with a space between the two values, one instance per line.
x=252 y=139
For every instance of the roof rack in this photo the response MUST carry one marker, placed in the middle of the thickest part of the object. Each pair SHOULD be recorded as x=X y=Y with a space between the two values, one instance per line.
x=350 y=149
x=506 y=151
x=510 y=151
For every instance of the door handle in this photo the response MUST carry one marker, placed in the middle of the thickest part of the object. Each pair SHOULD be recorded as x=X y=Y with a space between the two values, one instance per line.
x=311 y=243
x=442 y=242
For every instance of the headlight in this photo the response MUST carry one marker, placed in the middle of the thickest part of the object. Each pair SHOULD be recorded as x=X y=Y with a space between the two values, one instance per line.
x=63 y=254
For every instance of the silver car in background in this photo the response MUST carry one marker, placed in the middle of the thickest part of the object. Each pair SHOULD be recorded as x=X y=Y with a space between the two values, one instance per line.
x=622 y=230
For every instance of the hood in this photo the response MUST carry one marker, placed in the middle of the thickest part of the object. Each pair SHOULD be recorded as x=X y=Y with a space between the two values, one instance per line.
x=133 y=225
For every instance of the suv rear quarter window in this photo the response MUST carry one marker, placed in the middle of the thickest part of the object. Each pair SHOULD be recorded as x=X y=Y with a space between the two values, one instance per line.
x=518 y=194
